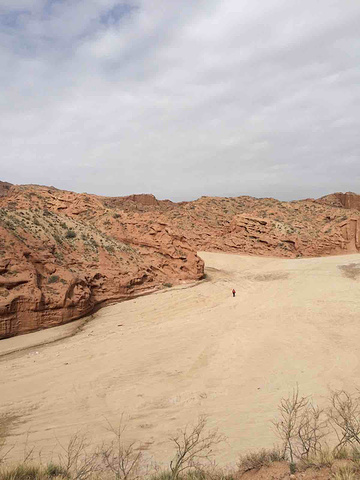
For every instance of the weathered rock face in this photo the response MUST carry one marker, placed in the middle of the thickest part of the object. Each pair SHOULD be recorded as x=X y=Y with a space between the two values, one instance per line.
x=350 y=231
x=348 y=200
x=64 y=254
x=266 y=226
x=4 y=188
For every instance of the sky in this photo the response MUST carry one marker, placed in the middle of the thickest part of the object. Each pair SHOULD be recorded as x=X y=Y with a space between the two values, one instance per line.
x=181 y=98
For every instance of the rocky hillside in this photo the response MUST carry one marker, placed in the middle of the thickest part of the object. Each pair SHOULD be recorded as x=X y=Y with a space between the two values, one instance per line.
x=267 y=226
x=64 y=254
x=347 y=200
x=4 y=188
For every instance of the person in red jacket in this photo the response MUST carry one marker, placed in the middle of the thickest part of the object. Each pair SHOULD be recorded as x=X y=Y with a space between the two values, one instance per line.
x=233 y=292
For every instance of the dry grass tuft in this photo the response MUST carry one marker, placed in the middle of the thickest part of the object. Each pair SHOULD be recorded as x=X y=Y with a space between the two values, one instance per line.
x=256 y=460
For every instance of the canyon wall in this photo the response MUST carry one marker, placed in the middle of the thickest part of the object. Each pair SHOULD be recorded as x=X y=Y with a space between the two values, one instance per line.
x=63 y=254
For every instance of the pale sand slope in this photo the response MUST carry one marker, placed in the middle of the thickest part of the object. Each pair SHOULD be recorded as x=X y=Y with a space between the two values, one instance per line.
x=164 y=359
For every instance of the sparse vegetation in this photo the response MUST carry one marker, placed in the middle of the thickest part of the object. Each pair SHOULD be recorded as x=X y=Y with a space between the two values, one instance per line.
x=53 y=279
x=193 y=447
x=302 y=428
x=70 y=234
x=256 y=460
x=123 y=459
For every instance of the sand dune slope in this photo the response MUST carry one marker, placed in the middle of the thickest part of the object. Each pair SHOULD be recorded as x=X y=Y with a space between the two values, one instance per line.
x=164 y=359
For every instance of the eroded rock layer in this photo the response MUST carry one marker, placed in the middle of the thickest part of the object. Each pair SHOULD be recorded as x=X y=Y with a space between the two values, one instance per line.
x=63 y=254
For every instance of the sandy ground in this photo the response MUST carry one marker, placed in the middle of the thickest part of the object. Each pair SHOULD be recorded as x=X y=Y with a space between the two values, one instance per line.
x=164 y=359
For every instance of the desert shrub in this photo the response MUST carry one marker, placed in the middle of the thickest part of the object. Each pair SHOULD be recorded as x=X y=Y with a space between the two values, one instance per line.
x=256 y=460
x=57 y=238
x=70 y=234
x=53 y=279
x=167 y=284
x=77 y=460
x=301 y=427
x=161 y=475
x=23 y=471
x=120 y=458
x=344 y=416
x=325 y=458
x=345 y=472
x=59 y=255
x=193 y=448
x=54 y=470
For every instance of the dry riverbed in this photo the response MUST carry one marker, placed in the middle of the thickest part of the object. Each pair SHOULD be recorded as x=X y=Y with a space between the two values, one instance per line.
x=166 y=358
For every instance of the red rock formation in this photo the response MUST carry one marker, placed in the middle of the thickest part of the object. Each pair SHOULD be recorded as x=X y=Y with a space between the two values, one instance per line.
x=4 y=188
x=348 y=200
x=64 y=254
x=265 y=226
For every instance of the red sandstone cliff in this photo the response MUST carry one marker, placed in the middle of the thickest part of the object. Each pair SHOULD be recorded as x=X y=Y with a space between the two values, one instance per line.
x=348 y=200
x=63 y=254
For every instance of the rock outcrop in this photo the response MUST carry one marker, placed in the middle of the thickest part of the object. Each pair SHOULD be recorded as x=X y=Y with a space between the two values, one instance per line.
x=64 y=254
x=4 y=188
x=266 y=226
x=348 y=200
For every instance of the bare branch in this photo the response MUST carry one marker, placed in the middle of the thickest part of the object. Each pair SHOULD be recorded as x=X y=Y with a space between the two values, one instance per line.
x=193 y=447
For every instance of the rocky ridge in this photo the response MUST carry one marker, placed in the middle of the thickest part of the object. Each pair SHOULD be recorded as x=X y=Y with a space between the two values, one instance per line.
x=64 y=254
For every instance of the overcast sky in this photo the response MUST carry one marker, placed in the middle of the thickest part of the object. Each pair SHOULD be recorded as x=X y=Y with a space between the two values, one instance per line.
x=181 y=98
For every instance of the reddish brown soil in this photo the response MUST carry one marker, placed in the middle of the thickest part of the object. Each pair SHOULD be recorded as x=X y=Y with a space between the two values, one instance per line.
x=62 y=254
x=281 y=471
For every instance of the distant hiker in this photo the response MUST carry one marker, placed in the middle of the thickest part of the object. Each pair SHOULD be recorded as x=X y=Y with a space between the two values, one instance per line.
x=233 y=292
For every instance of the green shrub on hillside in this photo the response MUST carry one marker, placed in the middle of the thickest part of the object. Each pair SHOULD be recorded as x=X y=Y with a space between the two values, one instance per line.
x=70 y=234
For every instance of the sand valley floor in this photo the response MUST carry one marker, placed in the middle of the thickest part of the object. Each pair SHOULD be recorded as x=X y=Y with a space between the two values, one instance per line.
x=166 y=358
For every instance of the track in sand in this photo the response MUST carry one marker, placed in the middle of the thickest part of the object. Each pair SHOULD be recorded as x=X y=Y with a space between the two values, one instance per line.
x=164 y=359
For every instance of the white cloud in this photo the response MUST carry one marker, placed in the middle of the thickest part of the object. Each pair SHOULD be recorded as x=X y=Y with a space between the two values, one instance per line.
x=181 y=99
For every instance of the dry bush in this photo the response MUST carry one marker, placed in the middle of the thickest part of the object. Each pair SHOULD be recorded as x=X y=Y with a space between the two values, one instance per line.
x=211 y=472
x=325 y=458
x=23 y=472
x=77 y=460
x=345 y=472
x=120 y=458
x=256 y=460
x=301 y=427
x=193 y=448
x=344 y=417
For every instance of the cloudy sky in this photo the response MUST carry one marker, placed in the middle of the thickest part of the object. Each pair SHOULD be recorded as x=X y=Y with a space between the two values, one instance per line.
x=181 y=98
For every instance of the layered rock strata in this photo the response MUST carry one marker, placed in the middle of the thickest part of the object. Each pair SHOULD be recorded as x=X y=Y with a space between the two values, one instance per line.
x=64 y=254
